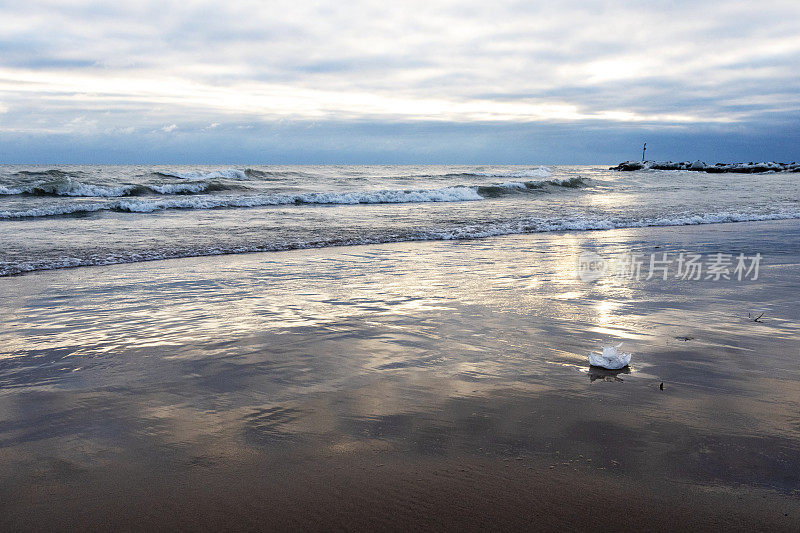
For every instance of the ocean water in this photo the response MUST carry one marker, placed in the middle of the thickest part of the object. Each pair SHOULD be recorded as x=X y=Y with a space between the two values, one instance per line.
x=69 y=216
x=148 y=392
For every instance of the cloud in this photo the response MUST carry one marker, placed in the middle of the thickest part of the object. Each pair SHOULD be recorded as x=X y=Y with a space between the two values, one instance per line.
x=169 y=129
x=611 y=64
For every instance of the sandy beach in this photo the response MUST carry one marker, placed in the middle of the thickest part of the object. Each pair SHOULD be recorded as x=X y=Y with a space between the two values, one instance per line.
x=421 y=266
x=428 y=385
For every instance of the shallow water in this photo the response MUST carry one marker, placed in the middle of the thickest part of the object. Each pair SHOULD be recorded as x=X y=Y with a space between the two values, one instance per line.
x=445 y=349
x=91 y=215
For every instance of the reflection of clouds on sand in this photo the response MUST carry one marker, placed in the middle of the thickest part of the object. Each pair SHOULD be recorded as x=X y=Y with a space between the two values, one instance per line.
x=230 y=298
x=409 y=348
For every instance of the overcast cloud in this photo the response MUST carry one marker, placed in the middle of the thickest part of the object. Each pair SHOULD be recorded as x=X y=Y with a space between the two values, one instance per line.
x=412 y=81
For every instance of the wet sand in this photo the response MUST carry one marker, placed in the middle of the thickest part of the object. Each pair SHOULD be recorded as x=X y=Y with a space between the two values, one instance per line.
x=382 y=491
x=413 y=385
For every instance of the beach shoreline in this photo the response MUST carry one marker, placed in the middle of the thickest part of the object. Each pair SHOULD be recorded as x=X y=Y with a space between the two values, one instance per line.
x=431 y=385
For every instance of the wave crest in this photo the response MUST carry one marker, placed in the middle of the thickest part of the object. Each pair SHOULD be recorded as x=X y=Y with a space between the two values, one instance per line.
x=228 y=174
x=70 y=187
x=459 y=193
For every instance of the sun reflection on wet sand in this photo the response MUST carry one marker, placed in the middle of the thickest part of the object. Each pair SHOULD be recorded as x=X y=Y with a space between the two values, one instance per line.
x=421 y=349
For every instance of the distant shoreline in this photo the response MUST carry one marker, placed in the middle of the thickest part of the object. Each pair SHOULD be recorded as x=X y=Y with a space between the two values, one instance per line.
x=700 y=166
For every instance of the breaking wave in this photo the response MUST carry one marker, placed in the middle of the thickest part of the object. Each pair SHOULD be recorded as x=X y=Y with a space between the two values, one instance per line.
x=510 y=187
x=228 y=174
x=71 y=187
x=274 y=174
x=541 y=172
x=459 y=193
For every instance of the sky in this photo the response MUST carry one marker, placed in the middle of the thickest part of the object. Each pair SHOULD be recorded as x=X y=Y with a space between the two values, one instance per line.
x=433 y=81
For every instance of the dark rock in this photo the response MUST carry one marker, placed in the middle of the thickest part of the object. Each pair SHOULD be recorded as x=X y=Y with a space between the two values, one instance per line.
x=718 y=168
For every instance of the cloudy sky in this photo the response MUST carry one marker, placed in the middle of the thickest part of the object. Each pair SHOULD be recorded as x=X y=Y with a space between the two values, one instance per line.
x=413 y=81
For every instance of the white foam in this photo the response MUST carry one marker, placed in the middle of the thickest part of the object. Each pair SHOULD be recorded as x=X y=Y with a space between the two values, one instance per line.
x=6 y=191
x=230 y=174
x=447 y=194
x=535 y=225
x=512 y=185
x=76 y=188
x=178 y=188
x=541 y=172
x=55 y=210
x=69 y=187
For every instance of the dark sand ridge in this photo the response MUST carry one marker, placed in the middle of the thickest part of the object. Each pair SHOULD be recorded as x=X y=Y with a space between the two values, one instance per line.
x=427 y=385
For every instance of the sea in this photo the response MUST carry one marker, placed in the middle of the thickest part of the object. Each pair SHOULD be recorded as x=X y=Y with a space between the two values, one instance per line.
x=331 y=376
x=56 y=216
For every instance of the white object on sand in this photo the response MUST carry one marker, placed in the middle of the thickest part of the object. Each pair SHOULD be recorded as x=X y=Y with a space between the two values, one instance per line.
x=611 y=358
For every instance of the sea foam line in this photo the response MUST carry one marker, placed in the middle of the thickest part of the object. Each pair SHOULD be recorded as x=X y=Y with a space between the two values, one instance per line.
x=466 y=232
